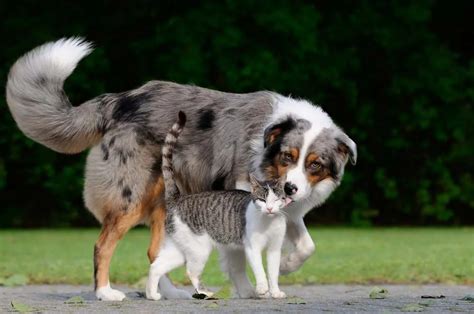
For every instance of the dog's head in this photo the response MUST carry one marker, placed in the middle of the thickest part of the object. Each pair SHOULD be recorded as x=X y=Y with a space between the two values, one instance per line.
x=311 y=156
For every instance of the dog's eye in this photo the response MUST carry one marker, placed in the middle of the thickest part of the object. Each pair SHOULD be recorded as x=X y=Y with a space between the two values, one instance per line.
x=287 y=157
x=315 y=166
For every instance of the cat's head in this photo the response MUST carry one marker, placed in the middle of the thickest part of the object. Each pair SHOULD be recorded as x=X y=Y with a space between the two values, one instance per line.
x=268 y=196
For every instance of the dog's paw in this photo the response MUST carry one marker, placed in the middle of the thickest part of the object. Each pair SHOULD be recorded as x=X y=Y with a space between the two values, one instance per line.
x=278 y=294
x=287 y=265
x=109 y=294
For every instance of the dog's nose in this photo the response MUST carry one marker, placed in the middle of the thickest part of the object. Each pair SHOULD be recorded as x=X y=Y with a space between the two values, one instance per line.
x=290 y=188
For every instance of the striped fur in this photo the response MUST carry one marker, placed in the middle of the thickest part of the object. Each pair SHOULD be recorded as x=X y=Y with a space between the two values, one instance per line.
x=171 y=190
x=225 y=140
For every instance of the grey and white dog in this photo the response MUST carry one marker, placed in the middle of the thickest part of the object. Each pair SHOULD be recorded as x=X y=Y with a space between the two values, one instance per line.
x=227 y=137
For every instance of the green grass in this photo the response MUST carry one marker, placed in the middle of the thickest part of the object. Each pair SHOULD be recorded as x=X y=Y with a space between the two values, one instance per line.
x=344 y=255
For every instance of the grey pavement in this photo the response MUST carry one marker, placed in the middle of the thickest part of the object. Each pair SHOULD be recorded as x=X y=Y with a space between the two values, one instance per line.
x=310 y=299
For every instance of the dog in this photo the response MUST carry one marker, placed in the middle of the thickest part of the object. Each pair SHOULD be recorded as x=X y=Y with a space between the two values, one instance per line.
x=228 y=136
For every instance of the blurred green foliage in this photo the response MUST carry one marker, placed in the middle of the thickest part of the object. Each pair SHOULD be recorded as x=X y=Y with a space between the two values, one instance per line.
x=398 y=76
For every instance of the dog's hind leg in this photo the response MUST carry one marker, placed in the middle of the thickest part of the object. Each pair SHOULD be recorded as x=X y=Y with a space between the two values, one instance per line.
x=115 y=225
x=157 y=223
x=121 y=190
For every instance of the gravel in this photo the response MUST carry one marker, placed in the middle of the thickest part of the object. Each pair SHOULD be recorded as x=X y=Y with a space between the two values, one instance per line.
x=307 y=299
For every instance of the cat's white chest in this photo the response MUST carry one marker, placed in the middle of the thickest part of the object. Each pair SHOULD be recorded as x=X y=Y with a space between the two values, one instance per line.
x=264 y=229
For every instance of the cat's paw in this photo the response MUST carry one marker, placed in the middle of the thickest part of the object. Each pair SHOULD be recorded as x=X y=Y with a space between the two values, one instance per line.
x=262 y=291
x=278 y=294
x=264 y=295
x=108 y=294
x=202 y=294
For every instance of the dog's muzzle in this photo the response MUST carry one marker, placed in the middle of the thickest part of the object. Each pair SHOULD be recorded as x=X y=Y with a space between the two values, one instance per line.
x=290 y=188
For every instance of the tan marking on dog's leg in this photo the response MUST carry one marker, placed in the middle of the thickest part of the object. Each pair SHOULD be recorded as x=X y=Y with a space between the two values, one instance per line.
x=114 y=227
x=156 y=207
x=157 y=230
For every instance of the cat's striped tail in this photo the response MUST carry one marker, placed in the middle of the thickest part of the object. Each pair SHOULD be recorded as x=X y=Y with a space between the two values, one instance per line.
x=171 y=190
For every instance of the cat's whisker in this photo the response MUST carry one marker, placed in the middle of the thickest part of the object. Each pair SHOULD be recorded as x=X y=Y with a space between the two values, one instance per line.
x=201 y=211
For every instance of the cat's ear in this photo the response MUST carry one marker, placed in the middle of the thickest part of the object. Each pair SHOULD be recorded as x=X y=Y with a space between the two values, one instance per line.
x=279 y=182
x=254 y=183
x=274 y=183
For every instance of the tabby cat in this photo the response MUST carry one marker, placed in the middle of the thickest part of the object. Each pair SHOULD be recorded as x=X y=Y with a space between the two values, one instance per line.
x=229 y=220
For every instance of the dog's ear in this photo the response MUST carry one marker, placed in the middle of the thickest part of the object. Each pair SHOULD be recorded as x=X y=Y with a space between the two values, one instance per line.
x=347 y=146
x=276 y=131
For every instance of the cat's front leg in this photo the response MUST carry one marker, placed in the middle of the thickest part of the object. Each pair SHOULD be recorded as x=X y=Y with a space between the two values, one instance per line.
x=254 y=257
x=273 y=267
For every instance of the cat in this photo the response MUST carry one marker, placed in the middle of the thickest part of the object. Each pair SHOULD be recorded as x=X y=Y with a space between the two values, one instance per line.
x=229 y=220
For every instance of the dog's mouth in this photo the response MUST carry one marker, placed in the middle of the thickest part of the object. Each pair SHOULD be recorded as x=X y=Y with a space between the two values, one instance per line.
x=288 y=200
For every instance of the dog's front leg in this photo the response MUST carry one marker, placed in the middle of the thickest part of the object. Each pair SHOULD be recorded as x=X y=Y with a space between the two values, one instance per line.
x=298 y=235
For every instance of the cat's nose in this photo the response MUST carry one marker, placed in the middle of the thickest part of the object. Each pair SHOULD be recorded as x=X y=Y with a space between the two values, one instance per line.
x=269 y=210
x=290 y=188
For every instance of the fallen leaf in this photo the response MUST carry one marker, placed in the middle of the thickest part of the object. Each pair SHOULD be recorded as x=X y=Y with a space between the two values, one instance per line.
x=15 y=280
x=75 y=300
x=21 y=307
x=468 y=297
x=296 y=300
x=413 y=308
x=433 y=296
x=378 y=293
x=426 y=303
x=213 y=305
x=141 y=294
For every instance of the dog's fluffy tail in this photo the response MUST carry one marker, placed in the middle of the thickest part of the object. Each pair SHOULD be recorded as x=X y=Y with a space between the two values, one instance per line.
x=171 y=190
x=39 y=105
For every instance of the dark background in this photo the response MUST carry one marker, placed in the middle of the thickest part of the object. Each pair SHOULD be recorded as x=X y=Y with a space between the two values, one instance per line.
x=396 y=75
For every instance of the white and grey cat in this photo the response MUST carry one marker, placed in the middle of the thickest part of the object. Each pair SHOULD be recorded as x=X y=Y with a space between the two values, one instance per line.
x=229 y=220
